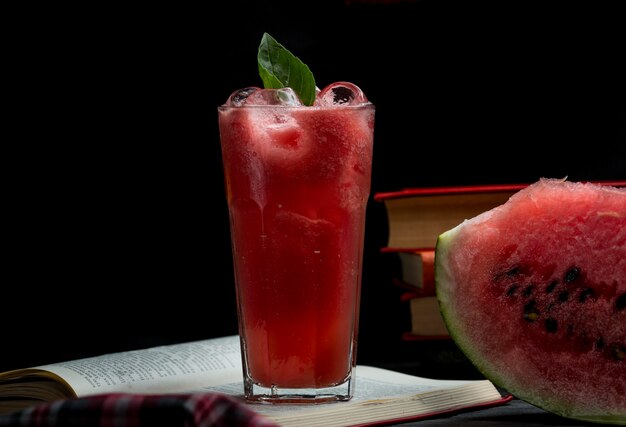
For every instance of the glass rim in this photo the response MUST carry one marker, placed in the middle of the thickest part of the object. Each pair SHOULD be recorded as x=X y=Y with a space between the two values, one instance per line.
x=299 y=107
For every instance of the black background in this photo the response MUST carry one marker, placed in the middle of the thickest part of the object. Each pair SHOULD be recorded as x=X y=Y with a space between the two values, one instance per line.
x=116 y=234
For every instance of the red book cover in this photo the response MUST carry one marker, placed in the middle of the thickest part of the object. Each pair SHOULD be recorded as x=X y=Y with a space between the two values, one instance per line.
x=436 y=191
x=465 y=189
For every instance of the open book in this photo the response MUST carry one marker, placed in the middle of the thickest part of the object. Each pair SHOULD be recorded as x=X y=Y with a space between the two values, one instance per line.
x=214 y=365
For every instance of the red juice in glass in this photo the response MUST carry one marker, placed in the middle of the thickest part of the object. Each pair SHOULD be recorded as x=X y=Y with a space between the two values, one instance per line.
x=297 y=183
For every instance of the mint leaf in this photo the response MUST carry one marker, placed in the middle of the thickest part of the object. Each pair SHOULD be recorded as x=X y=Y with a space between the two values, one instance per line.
x=279 y=68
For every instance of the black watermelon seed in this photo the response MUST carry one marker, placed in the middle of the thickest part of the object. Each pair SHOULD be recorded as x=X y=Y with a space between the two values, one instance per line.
x=572 y=274
x=529 y=290
x=620 y=303
x=599 y=343
x=551 y=325
x=585 y=294
x=618 y=351
x=513 y=272
x=512 y=289
x=551 y=286
x=563 y=296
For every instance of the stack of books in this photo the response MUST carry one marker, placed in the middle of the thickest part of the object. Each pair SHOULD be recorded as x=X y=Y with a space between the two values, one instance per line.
x=416 y=217
x=416 y=278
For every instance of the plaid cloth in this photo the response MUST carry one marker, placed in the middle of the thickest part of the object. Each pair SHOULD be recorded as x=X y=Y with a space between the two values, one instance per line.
x=138 y=410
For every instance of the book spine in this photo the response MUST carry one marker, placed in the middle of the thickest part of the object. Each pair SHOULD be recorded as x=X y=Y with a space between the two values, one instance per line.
x=417 y=270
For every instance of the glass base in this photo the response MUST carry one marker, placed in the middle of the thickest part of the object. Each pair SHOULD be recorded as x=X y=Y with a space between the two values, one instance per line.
x=256 y=393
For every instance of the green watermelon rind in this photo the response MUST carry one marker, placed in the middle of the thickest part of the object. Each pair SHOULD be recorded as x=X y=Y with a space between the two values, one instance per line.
x=443 y=276
x=444 y=283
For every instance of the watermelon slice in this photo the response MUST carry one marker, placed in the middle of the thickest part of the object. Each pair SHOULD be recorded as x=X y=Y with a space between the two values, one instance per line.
x=534 y=293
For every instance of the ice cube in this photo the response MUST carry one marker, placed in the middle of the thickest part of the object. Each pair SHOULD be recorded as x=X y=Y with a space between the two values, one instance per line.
x=256 y=96
x=283 y=96
x=239 y=97
x=340 y=94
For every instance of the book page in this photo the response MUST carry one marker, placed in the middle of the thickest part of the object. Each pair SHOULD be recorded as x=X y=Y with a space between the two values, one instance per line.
x=414 y=405
x=418 y=221
x=163 y=369
x=378 y=393
x=371 y=383
x=426 y=318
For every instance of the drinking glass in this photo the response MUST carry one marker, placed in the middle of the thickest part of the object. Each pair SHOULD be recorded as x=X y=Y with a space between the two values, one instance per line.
x=297 y=184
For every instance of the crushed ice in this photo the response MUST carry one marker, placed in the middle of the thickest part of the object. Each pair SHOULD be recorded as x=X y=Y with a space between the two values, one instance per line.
x=336 y=94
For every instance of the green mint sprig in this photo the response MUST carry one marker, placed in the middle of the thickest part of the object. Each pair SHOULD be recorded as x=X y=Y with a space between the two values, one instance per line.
x=280 y=68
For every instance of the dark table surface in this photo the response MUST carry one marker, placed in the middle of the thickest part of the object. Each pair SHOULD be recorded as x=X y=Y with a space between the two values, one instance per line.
x=513 y=413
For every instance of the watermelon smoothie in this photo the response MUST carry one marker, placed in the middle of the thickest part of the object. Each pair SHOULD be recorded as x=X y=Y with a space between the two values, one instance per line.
x=297 y=183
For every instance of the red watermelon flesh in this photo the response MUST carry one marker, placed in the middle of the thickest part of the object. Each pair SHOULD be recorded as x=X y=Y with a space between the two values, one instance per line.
x=534 y=293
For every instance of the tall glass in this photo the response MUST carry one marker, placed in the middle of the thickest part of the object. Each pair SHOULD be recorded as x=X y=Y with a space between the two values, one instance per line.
x=297 y=183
